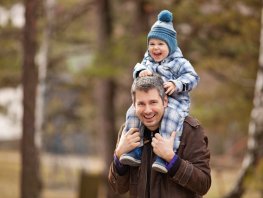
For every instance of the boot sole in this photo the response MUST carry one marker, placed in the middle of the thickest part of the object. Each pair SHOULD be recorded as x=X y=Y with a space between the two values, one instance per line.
x=127 y=160
x=159 y=168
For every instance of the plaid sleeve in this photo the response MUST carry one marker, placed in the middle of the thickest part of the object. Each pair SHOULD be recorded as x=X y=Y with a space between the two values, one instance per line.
x=188 y=78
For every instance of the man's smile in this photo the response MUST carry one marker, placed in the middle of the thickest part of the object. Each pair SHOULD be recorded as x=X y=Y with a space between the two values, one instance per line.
x=149 y=116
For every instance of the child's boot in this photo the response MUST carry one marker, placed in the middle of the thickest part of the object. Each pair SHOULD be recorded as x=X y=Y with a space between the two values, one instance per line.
x=133 y=158
x=160 y=165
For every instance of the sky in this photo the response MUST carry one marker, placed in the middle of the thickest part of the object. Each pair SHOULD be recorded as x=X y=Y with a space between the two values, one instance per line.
x=13 y=15
x=11 y=113
x=11 y=98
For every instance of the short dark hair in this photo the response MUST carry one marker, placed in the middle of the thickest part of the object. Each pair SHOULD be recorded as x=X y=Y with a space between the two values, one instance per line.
x=147 y=83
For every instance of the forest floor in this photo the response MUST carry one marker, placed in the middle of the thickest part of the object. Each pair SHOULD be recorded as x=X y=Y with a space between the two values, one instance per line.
x=61 y=175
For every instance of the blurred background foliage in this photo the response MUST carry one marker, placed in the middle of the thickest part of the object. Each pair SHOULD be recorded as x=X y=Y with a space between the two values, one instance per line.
x=220 y=38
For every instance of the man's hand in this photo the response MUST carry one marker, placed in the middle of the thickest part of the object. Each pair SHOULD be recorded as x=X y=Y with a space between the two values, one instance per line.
x=163 y=147
x=128 y=142
x=169 y=87
x=145 y=72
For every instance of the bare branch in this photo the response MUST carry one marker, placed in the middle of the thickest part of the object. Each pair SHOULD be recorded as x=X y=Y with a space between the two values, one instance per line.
x=69 y=16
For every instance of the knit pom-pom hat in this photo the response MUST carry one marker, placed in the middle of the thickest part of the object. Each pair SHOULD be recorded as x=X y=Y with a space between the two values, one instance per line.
x=163 y=29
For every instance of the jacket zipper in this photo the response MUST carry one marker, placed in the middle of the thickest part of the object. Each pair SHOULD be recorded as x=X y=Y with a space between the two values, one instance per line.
x=149 y=170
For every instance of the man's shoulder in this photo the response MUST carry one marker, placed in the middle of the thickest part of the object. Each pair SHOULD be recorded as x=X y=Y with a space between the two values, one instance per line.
x=192 y=121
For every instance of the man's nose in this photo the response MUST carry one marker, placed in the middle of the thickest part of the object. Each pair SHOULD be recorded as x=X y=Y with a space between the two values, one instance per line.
x=147 y=109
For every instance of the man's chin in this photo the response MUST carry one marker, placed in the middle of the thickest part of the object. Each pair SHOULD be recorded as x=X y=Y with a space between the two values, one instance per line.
x=151 y=126
x=148 y=123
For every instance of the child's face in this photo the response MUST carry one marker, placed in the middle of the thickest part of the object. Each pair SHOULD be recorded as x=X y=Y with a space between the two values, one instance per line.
x=158 y=49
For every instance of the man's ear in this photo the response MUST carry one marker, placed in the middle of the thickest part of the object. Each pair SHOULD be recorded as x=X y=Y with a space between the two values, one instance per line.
x=165 y=101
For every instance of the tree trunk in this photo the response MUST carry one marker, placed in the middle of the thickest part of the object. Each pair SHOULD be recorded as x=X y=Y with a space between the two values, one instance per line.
x=255 y=129
x=140 y=29
x=104 y=91
x=138 y=46
x=42 y=62
x=106 y=119
x=30 y=176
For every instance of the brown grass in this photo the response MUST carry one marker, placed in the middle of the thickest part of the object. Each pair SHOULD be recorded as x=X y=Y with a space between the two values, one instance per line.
x=61 y=182
x=55 y=186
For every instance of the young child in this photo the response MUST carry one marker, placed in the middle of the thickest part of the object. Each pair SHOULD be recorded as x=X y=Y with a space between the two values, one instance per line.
x=165 y=58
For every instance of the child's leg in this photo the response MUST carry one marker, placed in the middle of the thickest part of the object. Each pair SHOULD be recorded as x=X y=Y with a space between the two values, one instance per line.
x=133 y=158
x=132 y=121
x=179 y=132
x=172 y=121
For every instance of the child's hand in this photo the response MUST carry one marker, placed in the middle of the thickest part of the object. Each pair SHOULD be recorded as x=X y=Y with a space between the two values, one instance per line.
x=145 y=72
x=169 y=87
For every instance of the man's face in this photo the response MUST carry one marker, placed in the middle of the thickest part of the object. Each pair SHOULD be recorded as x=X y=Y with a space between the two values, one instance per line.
x=149 y=108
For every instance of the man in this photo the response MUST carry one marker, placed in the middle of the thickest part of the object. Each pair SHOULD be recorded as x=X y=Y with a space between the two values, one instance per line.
x=188 y=170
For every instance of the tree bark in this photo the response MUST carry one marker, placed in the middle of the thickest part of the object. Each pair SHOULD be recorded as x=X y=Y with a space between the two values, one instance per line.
x=255 y=130
x=30 y=175
x=42 y=62
x=106 y=128
x=140 y=29
x=104 y=92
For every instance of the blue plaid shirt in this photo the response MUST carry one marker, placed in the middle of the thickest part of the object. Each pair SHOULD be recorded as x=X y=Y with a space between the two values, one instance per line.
x=177 y=69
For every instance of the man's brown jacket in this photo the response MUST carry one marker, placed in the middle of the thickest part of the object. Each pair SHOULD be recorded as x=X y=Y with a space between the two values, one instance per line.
x=189 y=179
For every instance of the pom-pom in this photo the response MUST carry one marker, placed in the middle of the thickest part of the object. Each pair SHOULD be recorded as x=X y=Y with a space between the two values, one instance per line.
x=165 y=16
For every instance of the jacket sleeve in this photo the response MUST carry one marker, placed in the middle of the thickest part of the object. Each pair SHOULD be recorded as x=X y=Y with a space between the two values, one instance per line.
x=193 y=172
x=141 y=66
x=119 y=183
x=188 y=78
x=137 y=69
